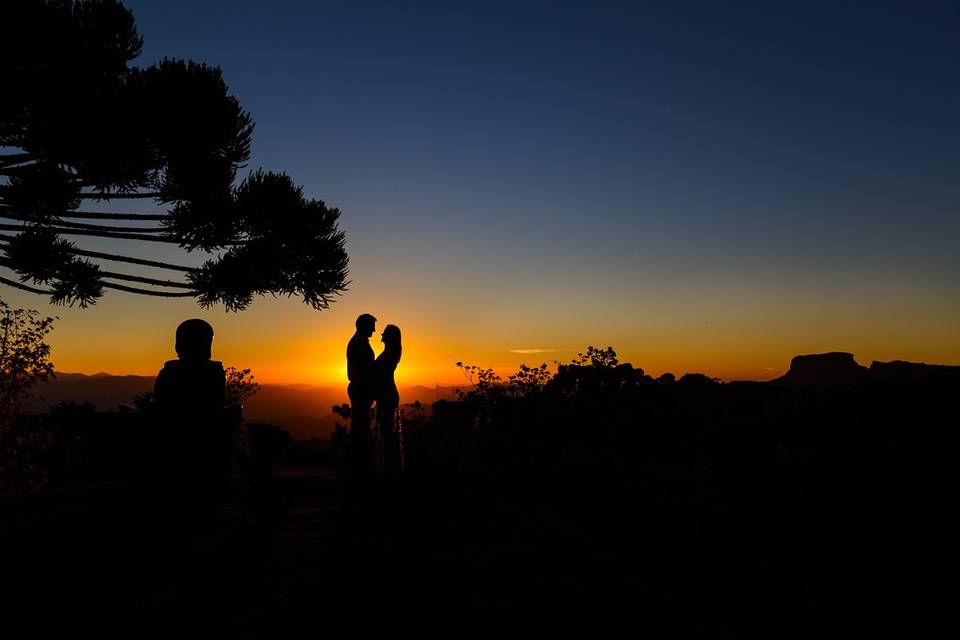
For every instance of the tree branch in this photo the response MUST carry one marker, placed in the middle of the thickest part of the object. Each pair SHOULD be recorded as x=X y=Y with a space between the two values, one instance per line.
x=108 y=274
x=10 y=159
x=161 y=283
x=103 y=227
x=120 y=196
x=100 y=234
x=82 y=225
x=116 y=258
x=20 y=285
x=97 y=215
x=149 y=292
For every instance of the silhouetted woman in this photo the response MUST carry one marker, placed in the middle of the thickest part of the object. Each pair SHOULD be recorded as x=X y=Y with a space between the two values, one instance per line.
x=388 y=398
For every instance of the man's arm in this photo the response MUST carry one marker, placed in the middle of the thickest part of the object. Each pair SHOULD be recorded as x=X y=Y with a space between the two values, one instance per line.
x=352 y=360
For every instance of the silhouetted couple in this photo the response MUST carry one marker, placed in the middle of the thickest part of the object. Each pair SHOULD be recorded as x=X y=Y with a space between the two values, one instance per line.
x=371 y=381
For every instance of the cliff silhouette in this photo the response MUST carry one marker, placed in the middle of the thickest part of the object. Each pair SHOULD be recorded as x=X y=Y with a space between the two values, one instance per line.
x=821 y=371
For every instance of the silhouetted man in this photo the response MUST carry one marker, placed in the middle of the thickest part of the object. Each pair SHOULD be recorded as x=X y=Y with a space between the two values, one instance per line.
x=360 y=372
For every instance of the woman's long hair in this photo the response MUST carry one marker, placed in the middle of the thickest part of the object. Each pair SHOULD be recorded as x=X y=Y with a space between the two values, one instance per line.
x=391 y=342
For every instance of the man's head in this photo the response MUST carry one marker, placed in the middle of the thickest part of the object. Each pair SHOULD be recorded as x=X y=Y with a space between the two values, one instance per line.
x=194 y=340
x=366 y=324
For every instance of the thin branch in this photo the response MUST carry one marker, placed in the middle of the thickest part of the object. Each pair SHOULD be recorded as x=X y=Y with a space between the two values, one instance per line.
x=20 y=285
x=82 y=225
x=161 y=283
x=145 y=263
x=10 y=159
x=116 y=258
x=6 y=262
x=99 y=215
x=100 y=234
x=120 y=196
x=103 y=227
x=149 y=292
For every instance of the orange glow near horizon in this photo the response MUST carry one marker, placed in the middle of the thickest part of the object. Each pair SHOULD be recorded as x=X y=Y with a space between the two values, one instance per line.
x=739 y=353
x=730 y=333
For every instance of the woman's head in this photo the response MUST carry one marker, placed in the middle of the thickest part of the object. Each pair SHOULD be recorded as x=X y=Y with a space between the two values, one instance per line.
x=194 y=340
x=391 y=339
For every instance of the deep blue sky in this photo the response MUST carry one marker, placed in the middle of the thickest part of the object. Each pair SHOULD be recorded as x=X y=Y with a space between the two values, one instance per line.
x=831 y=125
x=551 y=174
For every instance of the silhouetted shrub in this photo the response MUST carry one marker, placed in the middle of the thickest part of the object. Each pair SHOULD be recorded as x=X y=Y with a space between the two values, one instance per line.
x=24 y=363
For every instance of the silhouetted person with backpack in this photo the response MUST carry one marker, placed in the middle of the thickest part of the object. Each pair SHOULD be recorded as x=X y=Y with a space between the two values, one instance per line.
x=193 y=383
x=194 y=429
x=388 y=398
x=361 y=390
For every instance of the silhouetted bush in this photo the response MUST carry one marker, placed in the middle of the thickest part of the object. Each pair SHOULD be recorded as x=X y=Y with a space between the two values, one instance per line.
x=741 y=502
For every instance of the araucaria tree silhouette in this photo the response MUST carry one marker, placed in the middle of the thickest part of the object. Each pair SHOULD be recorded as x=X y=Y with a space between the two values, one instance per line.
x=79 y=125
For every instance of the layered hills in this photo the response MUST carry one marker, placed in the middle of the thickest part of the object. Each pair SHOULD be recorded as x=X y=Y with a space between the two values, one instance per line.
x=306 y=410
x=303 y=410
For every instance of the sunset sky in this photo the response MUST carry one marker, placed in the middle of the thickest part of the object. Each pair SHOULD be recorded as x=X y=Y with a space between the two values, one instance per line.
x=705 y=186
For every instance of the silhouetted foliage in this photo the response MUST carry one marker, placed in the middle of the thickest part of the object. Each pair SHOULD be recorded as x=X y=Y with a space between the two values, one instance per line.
x=342 y=410
x=24 y=359
x=83 y=125
x=596 y=357
x=24 y=447
x=240 y=385
x=711 y=505
x=697 y=379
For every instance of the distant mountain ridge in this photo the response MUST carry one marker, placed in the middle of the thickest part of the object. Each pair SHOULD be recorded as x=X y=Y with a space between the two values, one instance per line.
x=303 y=409
x=306 y=410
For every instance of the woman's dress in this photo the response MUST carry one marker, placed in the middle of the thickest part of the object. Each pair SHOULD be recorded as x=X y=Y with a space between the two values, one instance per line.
x=388 y=400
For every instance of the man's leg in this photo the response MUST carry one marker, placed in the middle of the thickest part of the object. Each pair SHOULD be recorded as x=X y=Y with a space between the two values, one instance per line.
x=359 y=442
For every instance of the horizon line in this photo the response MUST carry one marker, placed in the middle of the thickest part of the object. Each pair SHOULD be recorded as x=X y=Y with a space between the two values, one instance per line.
x=769 y=375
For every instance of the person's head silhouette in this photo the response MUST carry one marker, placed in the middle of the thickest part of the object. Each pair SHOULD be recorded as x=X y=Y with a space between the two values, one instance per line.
x=390 y=335
x=391 y=340
x=366 y=324
x=194 y=340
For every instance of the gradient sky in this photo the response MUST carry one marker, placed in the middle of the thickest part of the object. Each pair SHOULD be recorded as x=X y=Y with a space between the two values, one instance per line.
x=706 y=186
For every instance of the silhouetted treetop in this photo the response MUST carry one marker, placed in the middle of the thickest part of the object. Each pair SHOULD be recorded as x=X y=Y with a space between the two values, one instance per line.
x=80 y=125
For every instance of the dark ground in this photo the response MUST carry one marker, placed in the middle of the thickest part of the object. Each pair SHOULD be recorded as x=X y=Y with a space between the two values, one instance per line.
x=416 y=554
x=604 y=499
x=403 y=553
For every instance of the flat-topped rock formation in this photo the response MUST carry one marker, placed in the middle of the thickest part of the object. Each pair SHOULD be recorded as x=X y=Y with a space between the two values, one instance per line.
x=902 y=370
x=824 y=370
